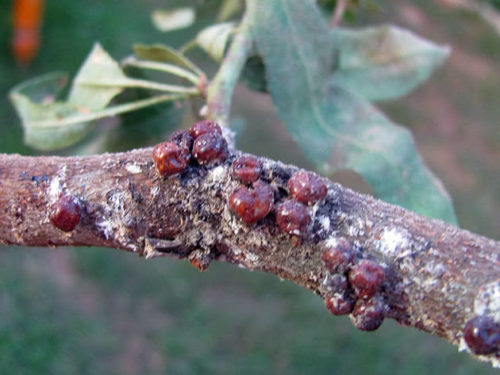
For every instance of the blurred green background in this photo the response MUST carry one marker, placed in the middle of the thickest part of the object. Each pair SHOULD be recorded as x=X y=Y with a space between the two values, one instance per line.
x=89 y=310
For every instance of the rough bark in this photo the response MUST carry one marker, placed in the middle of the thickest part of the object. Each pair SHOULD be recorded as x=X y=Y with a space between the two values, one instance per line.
x=437 y=276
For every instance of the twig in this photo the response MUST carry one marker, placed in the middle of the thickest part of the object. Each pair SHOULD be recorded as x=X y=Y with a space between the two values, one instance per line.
x=338 y=13
x=437 y=276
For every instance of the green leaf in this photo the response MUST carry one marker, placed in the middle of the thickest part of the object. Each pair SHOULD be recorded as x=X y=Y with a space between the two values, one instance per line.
x=142 y=128
x=213 y=39
x=133 y=62
x=51 y=124
x=174 y=19
x=101 y=78
x=254 y=74
x=229 y=9
x=163 y=53
x=335 y=128
x=88 y=90
x=385 y=62
x=35 y=100
x=46 y=88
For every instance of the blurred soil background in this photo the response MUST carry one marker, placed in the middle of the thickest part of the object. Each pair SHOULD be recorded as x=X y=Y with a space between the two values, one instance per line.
x=89 y=310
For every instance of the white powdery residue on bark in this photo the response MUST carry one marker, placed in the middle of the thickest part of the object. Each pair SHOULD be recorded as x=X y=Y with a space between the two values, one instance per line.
x=252 y=257
x=55 y=188
x=112 y=223
x=433 y=274
x=155 y=190
x=116 y=205
x=331 y=242
x=106 y=227
x=487 y=301
x=394 y=243
x=357 y=228
x=57 y=184
x=217 y=174
x=325 y=223
x=229 y=136
x=133 y=168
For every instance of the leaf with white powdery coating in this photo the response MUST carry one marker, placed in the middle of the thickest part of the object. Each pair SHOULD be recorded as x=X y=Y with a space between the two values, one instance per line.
x=384 y=62
x=334 y=128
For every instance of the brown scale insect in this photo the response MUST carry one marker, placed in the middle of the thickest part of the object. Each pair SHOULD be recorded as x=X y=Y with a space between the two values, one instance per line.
x=170 y=158
x=368 y=315
x=203 y=127
x=339 y=304
x=307 y=187
x=210 y=148
x=252 y=205
x=337 y=258
x=366 y=278
x=182 y=139
x=482 y=335
x=247 y=169
x=65 y=213
x=293 y=217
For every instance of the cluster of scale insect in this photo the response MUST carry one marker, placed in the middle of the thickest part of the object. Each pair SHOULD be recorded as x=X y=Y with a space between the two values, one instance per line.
x=353 y=286
x=255 y=199
x=203 y=144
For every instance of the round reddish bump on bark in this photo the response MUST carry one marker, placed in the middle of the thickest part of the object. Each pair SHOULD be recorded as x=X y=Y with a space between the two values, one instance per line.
x=307 y=187
x=368 y=315
x=65 y=213
x=182 y=138
x=293 y=217
x=170 y=158
x=240 y=202
x=339 y=304
x=210 y=148
x=247 y=169
x=482 y=335
x=264 y=199
x=252 y=205
x=366 y=277
x=203 y=127
x=338 y=257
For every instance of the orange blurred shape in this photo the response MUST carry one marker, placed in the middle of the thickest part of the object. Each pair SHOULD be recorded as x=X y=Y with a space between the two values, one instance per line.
x=27 y=17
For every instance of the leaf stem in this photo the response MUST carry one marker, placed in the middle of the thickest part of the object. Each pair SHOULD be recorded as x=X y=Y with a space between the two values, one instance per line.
x=220 y=90
x=143 y=84
x=188 y=46
x=163 y=67
x=108 y=112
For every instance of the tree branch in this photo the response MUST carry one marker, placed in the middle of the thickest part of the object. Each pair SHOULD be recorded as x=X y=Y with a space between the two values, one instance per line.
x=437 y=276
